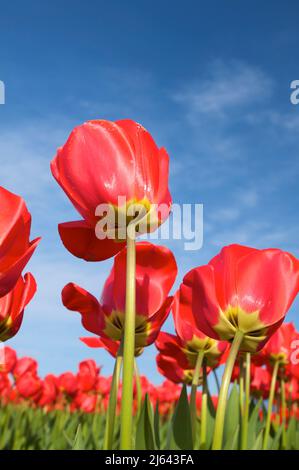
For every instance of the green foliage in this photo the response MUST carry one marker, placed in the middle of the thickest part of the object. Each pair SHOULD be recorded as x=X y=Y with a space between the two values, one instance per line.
x=34 y=429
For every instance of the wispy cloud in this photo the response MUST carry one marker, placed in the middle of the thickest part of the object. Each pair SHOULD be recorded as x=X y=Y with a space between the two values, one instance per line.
x=225 y=87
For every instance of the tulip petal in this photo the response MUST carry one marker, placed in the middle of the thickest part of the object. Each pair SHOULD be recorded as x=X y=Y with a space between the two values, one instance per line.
x=76 y=298
x=80 y=240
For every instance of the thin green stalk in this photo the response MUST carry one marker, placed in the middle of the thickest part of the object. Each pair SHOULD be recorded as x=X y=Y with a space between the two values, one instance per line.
x=245 y=416
x=204 y=408
x=220 y=414
x=283 y=413
x=241 y=385
x=110 y=418
x=194 y=386
x=126 y=418
x=138 y=387
x=270 y=404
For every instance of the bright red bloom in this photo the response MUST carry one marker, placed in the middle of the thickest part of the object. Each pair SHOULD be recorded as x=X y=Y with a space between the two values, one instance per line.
x=86 y=403
x=67 y=383
x=9 y=359
x=279 y=346
x=166 y=395
x=48 y=391
x=243 y=289
x=191 y=338
x=174 y=361
x=103 y=385
x=25 y=365
x=156 y=271
x=101 y=161
x=15 y=247
x=29 y=385
x=13 y=304
x=260 y=382
x=87 y=375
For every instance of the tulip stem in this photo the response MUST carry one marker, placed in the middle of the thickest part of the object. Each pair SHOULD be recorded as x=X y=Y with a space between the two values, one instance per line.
x=283 y=413
x=204 y=408
x=126 y=418
x=241 y=385
x=270 y=404
x=195 y=380
x=110 y=419
x=220 y=414
x=245 y=415
x=138 y=388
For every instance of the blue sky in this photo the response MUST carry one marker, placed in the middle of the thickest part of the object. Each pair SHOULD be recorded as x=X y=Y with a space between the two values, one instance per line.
x=211 y=81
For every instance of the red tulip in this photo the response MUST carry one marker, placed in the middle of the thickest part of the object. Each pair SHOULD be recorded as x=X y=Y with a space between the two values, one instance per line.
x=101 y=161
x=9 y=359
x=243 y=289
x=67 y=383
x=49 y=391
x=260 y=382
x=86 y=403
x=12 y=306
x=279 y=347
x=87 y=375
x=4 y=384
x=103 y=385
x=155 y=274
x=25 y=365
x=15 y=247
x=191 y=338
x=29 y=385
x=174 y=361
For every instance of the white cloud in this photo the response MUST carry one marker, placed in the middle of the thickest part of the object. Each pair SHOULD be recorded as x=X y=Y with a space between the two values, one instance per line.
x=227 y=86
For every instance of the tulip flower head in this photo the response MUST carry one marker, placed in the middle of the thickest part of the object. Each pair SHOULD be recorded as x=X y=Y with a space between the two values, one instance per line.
x=156 y=271
x=110 y=168
x=192 y=340
x=243 y=289
x=13 y=304
x=15 y=247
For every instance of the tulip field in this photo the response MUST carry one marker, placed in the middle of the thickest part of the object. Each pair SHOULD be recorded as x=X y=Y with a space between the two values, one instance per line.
x=229 y=367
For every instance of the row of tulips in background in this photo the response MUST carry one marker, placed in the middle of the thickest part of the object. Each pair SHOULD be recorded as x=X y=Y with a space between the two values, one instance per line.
x=164 y=416
x=227 y=312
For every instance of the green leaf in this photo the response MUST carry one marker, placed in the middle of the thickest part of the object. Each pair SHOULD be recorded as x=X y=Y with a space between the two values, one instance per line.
x=181 y=423
x=276 y=439
x=232 y=415
x=78 y=444
x=145 y=439
x=291 y=434
x=157 y=426
x=253 y=422
x=259 y=441
x=232 y=442
x=211 y=413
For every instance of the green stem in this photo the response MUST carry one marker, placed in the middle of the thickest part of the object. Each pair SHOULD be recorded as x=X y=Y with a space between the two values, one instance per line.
x=110 y=419
x=138 y=387
x=220 y=414
x=241 y=385
x=204 y=408
x=194 y=386
x=126 y=418
x=245 y=417
x=283 y=413
x=270 y=404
